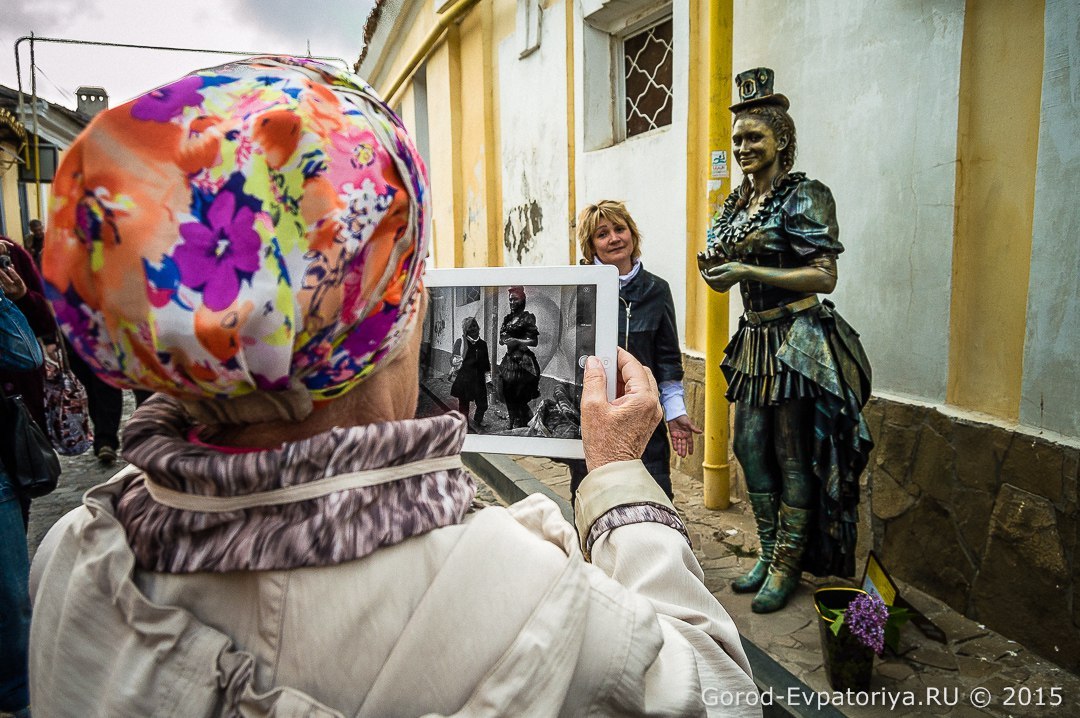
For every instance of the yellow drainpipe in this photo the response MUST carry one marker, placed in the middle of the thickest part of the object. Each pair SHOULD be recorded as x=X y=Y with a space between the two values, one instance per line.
x=433 y=38
x=717 y=472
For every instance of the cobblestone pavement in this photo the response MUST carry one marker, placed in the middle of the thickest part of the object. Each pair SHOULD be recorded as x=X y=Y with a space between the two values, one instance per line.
x=79 y=473
x=485 y=496
x=1016 y=681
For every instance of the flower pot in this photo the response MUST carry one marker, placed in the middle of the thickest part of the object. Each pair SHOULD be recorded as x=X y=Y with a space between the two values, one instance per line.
x=848 y=663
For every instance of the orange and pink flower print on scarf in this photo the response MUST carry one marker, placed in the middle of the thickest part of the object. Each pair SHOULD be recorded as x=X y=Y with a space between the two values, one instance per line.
x=243 y=229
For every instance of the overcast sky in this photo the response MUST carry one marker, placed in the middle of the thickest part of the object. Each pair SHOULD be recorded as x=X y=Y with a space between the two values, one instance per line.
x=329 y=27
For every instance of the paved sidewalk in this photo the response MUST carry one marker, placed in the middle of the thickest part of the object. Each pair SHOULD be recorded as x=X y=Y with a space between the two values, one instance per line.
x=973 y=657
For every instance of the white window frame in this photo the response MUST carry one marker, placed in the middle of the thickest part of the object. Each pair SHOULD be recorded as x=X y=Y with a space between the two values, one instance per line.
x=607 y=23
x=530 y=17
x=618 y=57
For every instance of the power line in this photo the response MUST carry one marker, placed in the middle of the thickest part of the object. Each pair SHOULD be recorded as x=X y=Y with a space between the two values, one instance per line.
x=101 y=43
x=67 y=94
x=168 y=48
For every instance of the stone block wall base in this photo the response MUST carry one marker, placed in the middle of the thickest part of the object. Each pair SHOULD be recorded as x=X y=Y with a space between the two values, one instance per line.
x=983 y=517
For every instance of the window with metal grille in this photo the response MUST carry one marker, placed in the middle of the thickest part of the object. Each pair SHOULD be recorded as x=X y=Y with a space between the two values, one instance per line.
x=647 y=73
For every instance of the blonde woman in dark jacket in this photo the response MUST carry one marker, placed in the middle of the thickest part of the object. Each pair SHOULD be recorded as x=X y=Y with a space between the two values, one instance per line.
x=648 y=329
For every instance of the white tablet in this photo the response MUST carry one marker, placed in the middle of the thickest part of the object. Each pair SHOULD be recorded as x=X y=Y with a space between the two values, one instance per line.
x=506 y=346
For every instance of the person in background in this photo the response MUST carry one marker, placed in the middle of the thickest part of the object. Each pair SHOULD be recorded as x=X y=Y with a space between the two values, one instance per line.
x=20 y=285
x=279 y=467
x=141 y=395
x=607 y=234
x=35 y=240
x=472 y=364
x=106 y=407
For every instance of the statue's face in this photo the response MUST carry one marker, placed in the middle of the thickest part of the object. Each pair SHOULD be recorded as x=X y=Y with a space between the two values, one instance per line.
x=516 y=303
x=755 y=145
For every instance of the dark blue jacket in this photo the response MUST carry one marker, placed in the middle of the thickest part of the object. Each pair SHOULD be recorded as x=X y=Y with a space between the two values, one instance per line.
x=645 y=302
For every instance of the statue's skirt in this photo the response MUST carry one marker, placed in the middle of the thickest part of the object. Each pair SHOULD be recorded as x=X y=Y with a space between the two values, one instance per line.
x=813 y=354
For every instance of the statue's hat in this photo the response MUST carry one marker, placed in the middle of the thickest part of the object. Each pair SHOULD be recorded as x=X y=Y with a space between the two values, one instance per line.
x=755 y=87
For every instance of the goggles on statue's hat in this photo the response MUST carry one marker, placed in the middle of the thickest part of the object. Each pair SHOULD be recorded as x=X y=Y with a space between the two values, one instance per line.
x=755 y=87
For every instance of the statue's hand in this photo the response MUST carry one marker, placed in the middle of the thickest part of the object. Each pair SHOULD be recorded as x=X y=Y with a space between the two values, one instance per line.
x=724 y=277
x=708 y=260
x=705 y=260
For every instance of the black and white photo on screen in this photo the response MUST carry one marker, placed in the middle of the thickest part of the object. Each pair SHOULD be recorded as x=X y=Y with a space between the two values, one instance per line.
x=511 y=357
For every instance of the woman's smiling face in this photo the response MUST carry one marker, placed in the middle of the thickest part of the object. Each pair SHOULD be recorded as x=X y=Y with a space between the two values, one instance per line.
x=755 y=145
x=614 y=244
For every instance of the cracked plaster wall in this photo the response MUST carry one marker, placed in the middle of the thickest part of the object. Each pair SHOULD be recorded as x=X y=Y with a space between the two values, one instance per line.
x=533 y=137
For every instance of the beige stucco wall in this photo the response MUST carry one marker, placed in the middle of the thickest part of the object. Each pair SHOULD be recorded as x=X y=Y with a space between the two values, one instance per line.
x=879 y=94
x=997 y=147
x=534 y=223
x=9 y=195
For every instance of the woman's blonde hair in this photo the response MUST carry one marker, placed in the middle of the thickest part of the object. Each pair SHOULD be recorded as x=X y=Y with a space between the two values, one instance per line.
x=593 y=215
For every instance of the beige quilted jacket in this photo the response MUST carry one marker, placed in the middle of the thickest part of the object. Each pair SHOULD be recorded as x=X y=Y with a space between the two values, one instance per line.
x=497 y=616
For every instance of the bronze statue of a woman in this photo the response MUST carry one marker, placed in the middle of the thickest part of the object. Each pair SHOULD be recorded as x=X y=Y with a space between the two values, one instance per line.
x=795 y=369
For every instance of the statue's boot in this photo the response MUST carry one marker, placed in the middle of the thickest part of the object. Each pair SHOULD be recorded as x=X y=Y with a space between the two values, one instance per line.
x=765 y=508
x=783 y=574
x=478 y=418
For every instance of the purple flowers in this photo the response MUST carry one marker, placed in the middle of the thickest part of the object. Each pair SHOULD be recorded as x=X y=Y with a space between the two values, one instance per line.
x=214 y=256
x=168 y=102
x=866 y=617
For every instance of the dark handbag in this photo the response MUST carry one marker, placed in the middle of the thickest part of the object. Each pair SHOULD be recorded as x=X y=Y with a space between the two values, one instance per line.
x=67 y=409
x=28 y=456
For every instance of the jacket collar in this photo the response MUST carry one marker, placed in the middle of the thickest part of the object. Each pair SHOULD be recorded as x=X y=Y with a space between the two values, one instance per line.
x=624 y=279
x=640 y=286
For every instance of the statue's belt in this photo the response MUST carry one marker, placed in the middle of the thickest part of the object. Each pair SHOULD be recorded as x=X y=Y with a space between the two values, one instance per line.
x=770 y=315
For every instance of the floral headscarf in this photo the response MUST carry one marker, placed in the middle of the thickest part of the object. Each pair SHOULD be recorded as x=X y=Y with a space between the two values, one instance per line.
x=254 y=228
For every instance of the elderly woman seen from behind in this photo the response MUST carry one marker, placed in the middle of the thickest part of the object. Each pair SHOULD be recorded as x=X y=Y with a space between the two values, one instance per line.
x=472 y=364
x=249 y=242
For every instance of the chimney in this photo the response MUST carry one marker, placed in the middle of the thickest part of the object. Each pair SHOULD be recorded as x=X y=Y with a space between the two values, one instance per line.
x=92 y=100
